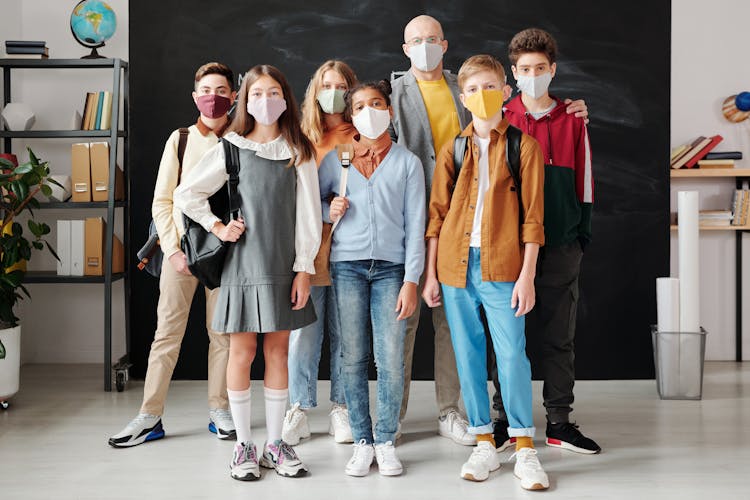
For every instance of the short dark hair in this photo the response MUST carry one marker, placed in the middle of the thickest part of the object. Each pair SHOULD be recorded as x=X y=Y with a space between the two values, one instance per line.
x=215 y=68
x=532 y=40
x=382 y=86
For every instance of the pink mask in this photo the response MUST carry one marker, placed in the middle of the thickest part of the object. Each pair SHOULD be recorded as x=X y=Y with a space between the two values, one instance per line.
x=213 y=105
x=265 y=110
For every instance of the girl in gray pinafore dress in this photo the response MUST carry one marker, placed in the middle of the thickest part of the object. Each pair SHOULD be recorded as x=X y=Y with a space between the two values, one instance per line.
x=265 y=283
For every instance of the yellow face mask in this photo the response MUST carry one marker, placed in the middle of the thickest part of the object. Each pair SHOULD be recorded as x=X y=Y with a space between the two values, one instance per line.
x=484 y=103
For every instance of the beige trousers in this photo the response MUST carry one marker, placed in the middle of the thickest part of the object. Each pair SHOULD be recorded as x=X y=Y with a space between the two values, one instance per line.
x=447 y=386
x=175 y=297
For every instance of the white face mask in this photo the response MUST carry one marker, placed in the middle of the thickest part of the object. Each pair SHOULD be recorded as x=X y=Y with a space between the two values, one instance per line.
x=426 y=56
x=534 y=86
x=372 y=123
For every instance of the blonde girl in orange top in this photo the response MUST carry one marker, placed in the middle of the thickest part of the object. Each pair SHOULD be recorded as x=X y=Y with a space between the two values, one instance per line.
x=323 y=122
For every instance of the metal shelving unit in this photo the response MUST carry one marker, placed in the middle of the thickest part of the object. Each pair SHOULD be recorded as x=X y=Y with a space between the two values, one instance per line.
x=740 y=175
x=120 y=107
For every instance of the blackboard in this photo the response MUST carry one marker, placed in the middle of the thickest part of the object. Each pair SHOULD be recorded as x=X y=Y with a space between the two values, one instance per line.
x=615 y=55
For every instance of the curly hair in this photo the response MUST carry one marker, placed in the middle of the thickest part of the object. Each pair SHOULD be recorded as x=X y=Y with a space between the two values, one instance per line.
x=382 y=86
x=532 y=40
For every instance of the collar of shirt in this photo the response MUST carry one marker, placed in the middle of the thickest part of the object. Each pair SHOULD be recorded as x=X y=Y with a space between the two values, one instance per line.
x=367 y=158
x=205 y=129
x=277 y=149
x=500 y=128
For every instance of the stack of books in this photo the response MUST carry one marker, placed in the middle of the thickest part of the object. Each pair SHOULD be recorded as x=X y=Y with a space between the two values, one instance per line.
x=722 y=159
x=97 y=111
x=688 y=155
x=22 y=49
x=715 y=217
x=740 y=207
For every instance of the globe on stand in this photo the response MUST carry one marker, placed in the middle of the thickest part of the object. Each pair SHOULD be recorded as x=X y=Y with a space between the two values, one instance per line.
x=92 y=23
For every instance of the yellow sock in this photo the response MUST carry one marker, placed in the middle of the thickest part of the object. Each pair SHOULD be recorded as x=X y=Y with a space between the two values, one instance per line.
x=486 y=437
x=522 y=442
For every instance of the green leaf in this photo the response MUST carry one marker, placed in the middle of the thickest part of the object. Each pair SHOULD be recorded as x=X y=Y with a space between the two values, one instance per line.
x=2 y=350
x=53 y=181
x=32 y=157
x=23 y=169
x=46 y=190
x=52 y=250
x=35 y=228
x=38 y=245
x=25 y=291
x=11 y=280
x=6 y=163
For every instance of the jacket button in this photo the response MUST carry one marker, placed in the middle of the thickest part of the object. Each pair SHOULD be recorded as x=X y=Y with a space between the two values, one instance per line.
x=463 y=261
x=471 y=207
x=467 y=234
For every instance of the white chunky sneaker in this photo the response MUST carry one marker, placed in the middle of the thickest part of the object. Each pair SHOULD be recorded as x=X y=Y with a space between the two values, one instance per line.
x=142 y=428
x=244 y=466
x=454 y=426
x=359 y=464
x=388 y=462
x=339 y=427
x=282 y=457
x=220 y=423
x=295 y=426
x=529 y=470
x=483 y=460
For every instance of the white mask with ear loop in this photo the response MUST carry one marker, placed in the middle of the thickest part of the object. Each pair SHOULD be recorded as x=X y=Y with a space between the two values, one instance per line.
x=534 y=86
x=426 y=56
x=371 y=122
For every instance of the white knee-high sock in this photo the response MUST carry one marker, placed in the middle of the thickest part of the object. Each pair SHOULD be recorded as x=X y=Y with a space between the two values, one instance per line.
x=275 y=408
x=239 y=402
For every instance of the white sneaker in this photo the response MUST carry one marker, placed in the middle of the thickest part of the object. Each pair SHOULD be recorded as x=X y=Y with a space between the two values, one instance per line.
x=282 y=457
x=388 y=462
x=359 y=464
x=483 y=460
x=454 y=426
x=142 y=428
x=339 y=427
x=295 y=426
x=220 y=423
x=529 y=470
x=244 y=466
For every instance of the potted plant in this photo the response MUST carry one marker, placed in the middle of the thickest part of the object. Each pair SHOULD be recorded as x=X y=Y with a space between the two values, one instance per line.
x=18 y=186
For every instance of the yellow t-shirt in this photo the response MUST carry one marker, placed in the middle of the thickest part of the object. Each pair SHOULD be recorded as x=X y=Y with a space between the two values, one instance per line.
x=441 y=111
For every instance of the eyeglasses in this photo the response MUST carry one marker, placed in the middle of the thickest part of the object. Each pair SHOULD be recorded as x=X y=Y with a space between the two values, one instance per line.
x=419 y=41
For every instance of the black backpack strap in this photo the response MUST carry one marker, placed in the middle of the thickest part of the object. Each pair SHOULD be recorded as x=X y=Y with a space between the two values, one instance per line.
x=460 y=143
x=181 y=145
x=232 y=159
x=513 y=160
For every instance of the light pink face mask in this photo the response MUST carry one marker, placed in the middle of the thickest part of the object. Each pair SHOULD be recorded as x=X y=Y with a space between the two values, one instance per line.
x=265 y=110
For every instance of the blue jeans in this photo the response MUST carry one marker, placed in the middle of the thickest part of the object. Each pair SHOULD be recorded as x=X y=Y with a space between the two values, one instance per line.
x=304 y=352
x=462 y=307
x=367 y=294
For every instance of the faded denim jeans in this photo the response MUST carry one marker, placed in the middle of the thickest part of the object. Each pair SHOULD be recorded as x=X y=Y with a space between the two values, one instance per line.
x=367 y=293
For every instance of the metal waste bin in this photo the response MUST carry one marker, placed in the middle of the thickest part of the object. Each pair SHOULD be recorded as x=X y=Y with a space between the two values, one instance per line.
x=678 y=359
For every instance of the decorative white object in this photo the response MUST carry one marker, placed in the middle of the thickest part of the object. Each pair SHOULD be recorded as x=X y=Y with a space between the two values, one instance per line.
x=61 y=193
x=10 y=366
x=18 y=116
x=689 y=269
x=75 y=121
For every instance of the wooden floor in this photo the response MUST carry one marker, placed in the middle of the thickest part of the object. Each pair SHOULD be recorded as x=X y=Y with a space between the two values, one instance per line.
x=53 y=444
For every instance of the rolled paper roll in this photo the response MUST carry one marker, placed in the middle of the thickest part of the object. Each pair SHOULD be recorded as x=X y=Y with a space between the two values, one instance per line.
x=689 y=267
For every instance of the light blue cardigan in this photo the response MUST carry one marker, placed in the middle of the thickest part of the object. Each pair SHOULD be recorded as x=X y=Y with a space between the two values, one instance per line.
x=386 y=215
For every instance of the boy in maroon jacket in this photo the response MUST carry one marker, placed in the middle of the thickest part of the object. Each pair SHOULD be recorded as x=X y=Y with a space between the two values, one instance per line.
x=568 y=198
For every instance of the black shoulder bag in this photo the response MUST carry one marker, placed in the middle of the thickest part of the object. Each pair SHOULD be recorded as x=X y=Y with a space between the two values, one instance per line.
x=150 y=256
x=204 y=251
x=512 y=159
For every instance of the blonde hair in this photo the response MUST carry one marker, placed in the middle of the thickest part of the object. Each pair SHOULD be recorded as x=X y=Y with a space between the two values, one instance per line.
x=312 y=116
x=475 y=64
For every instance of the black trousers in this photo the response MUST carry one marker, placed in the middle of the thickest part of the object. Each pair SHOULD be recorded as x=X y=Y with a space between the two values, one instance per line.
x=550 y=330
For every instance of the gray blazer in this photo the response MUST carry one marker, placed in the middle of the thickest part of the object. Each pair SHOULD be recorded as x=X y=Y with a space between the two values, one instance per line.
x=411 y=127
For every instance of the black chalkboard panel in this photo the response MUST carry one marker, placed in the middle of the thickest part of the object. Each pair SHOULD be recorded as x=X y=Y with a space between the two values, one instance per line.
x=615 y=55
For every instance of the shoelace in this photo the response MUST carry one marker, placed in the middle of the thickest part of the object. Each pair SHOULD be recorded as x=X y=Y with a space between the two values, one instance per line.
x=528 y=458
x=386 y=452
x=222 y=414
x=359 y=449
x=340 y=416
x=287 y=451
x=247 y=454
x=481 y=454
x=295 y=415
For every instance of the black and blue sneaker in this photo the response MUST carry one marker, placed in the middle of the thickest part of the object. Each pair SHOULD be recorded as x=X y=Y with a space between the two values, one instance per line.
x=220 y=423
x=142 y=428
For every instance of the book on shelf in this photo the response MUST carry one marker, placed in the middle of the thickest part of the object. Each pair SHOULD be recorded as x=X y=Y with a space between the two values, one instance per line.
x=724 y=155
x=685 y=151
x=25 y=43
x=713 y=141
x=715 y=163
x=27 y=50
x=26 y=56
x=740 y=207
x=99 y=106
x=106 y=111
x=715 y=217
x=97 y=111
x=677 y=152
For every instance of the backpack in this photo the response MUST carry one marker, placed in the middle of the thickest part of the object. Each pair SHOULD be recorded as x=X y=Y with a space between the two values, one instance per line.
x=512 y=159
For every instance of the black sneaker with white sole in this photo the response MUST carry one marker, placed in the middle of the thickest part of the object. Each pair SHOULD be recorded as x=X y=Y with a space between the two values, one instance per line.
x=500 y=435
x=566 y=435
x=141 y=429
